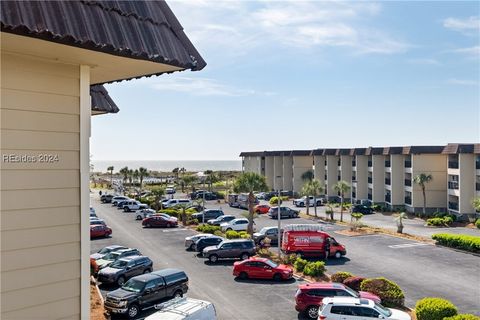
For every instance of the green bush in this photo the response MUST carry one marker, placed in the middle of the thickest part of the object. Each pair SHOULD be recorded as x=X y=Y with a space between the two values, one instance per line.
x=232 y=234
x=265 y=253
x=314 y=269
x=477 y=223
x=340 y=276
x=219 y=233
x=440 y=222
x=459 y=241
x=354 y=282
x=288 y=258
x=463 y=316
x=206 y=228
x=388 y=291
x=444 y=215
x=434 y=309
x=274 y=200
x=300 y=264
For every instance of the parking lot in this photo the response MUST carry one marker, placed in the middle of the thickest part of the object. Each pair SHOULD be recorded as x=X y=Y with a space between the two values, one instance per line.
x=421 y=270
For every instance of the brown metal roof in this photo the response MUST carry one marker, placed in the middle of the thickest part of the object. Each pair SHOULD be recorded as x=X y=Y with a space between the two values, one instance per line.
x=252 y=154
x=317 y=152
x=101 y=101
x=329 y=152
x=301 y=152
x=145 y=30
x=455 y=148
x=358 y=151
x=392 y=150
x=342 y=152
x=423 y=149
x=373 y=151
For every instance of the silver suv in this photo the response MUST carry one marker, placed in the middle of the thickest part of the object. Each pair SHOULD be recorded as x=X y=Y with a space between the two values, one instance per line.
x=239 y=248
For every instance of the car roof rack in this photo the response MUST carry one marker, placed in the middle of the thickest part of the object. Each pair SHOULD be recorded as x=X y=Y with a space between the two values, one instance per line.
x=303 y=227
x=171 y=303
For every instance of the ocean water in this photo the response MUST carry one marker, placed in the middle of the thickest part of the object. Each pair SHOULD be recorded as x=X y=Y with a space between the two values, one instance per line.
x=169 y=165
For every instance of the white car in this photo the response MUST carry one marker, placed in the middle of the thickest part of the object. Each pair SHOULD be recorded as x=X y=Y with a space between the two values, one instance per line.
x=350 y=308
x=302 y=202
x=184 y=309
x=117 y=199
x=144 y=213
x=240 y=224
x=134 y=205
x=174 y=202
x=170 y=190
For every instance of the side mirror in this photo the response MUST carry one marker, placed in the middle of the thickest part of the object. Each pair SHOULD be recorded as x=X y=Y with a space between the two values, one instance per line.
x=147 y=291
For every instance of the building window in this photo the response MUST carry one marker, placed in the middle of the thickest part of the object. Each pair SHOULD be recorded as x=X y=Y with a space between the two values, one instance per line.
x=387 y=163
x=387 y=197
x=387 y=181
x=453 y=161
x=369 y=179
x=408 y=162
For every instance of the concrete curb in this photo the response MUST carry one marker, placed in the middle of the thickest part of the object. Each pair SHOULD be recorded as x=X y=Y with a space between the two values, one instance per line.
x=458 y=250
x=92 y=279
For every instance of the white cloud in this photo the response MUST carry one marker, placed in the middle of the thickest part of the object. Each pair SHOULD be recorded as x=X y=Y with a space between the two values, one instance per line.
x=462 y=25
x=463 y=82
x=473 y=52
x=201 y=87
x=424 y=61
x=238 y=27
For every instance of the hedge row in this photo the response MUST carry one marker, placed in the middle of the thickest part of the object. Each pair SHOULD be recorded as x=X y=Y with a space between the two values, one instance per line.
x=459 y=241
x=434 y=309
x=312 y=269
x=477 y=223
x=440 y=222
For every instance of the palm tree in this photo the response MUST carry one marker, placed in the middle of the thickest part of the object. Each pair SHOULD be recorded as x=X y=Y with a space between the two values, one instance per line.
x=124 y=172
x=175 y=172
x=421 y=180
x=142 y=173
x=476 y=204
x=110 y=169
x=130 y=177
x=188 y=180
x=307 y=176
x=399 y=220
x=157 y=193
x=341 y=187
x=316 y=189
x=249 y=182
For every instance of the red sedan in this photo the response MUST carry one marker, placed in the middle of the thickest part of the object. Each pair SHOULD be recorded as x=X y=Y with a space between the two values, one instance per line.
x=261 y=268
x=99 y=230
x=159 y=221
x=262 y=208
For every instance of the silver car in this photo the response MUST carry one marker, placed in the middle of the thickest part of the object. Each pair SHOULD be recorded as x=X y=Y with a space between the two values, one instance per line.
x=190 y=241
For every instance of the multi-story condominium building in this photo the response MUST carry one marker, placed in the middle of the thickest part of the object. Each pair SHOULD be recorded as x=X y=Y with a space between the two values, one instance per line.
x=463 y=176
x=384 y=175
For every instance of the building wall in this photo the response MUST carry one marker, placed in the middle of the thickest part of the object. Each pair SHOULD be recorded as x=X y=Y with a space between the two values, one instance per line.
x=332 y=175
x=40 y=201
x=346 y=173
x=319 y=172
x=397 y=179
x=301 y=164
x=378 y=176
x=269 y=171
x=252 y=164
x=466 y=182
x=278 y=172
x=287 y=173
x=436 y=165
x=361 y=177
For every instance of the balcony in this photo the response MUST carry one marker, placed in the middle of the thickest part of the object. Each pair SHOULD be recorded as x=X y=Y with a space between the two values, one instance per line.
x=354 y=163
x=477 y=186
x=369 y=179
x=354 y=179
x=408 y=163
x=477 y=165
x=387 y=198
x=387 y=181
x=408 y=200
x=370 y=163
x=453 y=205
x=354 y=194
x=408 y=182
x=453 y=164
x=387 y=164
x=453 y=185
x=369 y=196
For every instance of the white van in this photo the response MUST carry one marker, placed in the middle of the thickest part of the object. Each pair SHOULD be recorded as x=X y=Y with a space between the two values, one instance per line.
x=184 y=309
x=173 y=202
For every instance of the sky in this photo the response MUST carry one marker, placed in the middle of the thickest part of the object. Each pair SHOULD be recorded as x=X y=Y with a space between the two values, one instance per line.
x=285 y=75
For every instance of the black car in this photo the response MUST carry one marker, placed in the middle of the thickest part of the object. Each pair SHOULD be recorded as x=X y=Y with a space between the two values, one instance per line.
x=208 y=195
x=144 y=291
x=209 y=214
x=125 y=268
x=360 y=208
x=221 y=219
x=106 y=198
x=285 y=212
x=207 y=242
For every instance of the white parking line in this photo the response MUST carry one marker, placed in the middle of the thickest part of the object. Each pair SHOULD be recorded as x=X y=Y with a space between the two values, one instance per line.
x=409 y=245
x=175 y=230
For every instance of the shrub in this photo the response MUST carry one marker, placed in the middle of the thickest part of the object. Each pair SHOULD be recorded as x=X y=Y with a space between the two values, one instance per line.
x=232 y=234
x=387 y=290
x=440 y=222
x=265 y=253
x=244 y=235
x=219 y=233
x=477 y=223
x=274 y=200
x=206 y=228
x=300 y=264
x=444 y=215
x=434 y=309
x=463 y=316
x=459 y=241
x=314 y=269
x=354 y=282
x=288 y=259
x=340 y=276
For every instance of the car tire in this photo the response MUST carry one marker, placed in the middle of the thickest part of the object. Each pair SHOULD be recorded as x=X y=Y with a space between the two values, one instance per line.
x=121 y=281
x=133 y=311
x=178 y=294
x=139 y=217
x=243 y=275
x=244 y=256
x=277 y=277
x=169 y=225
x=126 y=209
x=338 y=254
x=147 y=271
x=192 y=247
x=147 y=225
x=312 y=312
x=213 y=258
x=229 y=229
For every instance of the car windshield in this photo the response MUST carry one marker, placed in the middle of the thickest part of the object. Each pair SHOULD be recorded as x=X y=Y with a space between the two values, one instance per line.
x=133 y=285
x=384 y=311
x=264 y=230
x=271 y=263
x=104 y=250
x=119 y=264
x=165 y=215
x=352 y=292
x=111 y=256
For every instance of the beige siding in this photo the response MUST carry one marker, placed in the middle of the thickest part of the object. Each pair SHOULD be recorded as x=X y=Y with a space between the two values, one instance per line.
x=40 y=213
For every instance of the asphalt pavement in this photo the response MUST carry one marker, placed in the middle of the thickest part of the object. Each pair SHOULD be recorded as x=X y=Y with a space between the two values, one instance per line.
x=421 y=270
